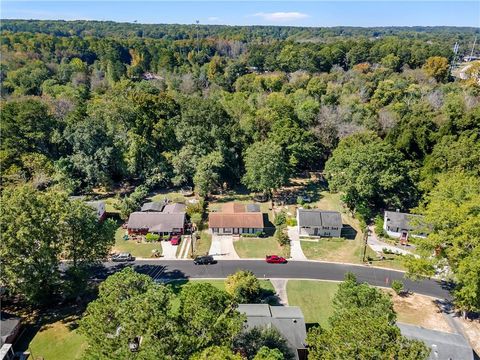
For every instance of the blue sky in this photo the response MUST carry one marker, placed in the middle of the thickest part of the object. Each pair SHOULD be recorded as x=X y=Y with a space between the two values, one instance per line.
x=297 y=13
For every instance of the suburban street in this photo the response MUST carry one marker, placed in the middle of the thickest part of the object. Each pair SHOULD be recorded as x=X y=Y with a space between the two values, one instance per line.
x=184 y=269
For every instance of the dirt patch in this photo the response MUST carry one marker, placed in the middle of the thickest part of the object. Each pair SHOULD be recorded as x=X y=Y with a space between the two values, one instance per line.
x=419 y=310
x=472 y=331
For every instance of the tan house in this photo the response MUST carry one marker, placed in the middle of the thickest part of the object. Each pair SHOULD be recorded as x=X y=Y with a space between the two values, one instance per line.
x=236 y=218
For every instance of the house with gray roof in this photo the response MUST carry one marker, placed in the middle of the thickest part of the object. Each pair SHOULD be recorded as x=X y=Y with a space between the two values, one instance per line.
x=443 y=345
x=99 y=207
x=156 y=222
x=10 y=326
x=174 y=208
x=154 y=206
x=316 y=222
x=288 y=320
x=402 y=225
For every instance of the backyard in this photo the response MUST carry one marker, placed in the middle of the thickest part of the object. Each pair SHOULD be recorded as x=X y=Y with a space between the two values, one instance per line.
x=247 y=247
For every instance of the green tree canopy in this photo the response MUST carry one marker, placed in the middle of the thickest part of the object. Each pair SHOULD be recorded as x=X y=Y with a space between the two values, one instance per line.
x=362 y=327
x=371 y=174
x=265 y=166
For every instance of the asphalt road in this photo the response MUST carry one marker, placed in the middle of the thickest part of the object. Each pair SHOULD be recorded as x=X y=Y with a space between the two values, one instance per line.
x=184 y=269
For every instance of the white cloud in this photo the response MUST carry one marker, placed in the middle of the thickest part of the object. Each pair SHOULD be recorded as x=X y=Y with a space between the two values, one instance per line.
x=281 y=16
x=213 y=18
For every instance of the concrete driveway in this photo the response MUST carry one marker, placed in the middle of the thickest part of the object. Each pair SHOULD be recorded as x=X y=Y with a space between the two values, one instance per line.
x=169 y=250
x=222 y=248
x=296 y=252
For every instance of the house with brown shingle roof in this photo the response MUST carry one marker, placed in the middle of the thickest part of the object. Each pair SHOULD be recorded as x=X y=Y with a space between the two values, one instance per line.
x=236 y=218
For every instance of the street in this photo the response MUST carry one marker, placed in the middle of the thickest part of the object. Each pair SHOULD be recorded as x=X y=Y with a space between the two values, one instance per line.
x=184 y=269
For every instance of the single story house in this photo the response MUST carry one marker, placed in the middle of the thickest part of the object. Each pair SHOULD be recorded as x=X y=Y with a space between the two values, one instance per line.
x=99 y=207
x=401 y=225
x=235 y=218
x=154 y=206
x=174 y=208
x=163 y=223
x=318 y=222
x=10 y=327
x=288 y=320
x=443 y=345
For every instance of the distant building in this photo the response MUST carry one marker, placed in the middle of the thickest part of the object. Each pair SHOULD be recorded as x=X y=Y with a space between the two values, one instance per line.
x=99 y=207
x=236 y=218
x=402 y=225
x=9 y=327
x=288 y=320
x=444 y=346
x=154 y=206
x=318 y=222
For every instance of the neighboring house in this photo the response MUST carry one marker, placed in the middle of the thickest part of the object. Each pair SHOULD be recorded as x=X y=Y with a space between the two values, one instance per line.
x=99 y=207
x=444 y=346
x=10 y=327
x=236 y=218
x=168 y=221
x=174 y=208
x=319 y=223
x=288 y=320
x=154 y=206
x=401 y=225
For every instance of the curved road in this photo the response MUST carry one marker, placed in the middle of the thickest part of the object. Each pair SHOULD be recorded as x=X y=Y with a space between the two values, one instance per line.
x=184 y=269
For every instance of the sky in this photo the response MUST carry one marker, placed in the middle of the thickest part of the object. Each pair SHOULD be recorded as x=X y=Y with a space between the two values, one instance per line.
x=296 y=13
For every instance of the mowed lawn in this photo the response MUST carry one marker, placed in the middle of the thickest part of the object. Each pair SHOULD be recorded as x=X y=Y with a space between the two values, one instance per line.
x=143 y=250
x=347 y=249
x=202 y=245
x=56 y=341
x=314 y=298
x=259 y=247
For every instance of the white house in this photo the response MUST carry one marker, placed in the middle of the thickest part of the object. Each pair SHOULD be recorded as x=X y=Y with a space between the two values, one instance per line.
x=402 y=225
x=318 y=222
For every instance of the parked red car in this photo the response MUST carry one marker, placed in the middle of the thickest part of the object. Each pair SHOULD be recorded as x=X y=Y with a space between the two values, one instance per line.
x=175 y=240
x=275 y=259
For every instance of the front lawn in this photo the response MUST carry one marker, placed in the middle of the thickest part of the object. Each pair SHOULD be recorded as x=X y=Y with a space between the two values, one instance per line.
x=259 y=247
x=143 y=250
x=176 y=285
x=314 y=298
x=203 y=243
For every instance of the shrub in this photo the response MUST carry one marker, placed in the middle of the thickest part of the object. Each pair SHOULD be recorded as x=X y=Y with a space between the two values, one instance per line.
x=300 y=200
x=243 y=286
x=379 y=226
x=281 y=236
x=280 y=219
x=152 y=237
x=292 y=222
x=397 y=286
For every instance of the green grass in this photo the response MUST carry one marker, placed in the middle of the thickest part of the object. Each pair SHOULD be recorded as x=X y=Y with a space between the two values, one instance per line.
x=110 y=205
x=172 y=196
x=265 y=285
x=259 y=247
x=56 y=341
x=319 y=250
x=202 y=245
x=137 y=250
x=314 y=298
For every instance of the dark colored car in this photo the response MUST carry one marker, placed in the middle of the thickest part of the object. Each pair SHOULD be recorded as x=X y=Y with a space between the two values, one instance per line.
x=175 y=240
x=122 y=257
x=204 y=260
x=275 y=259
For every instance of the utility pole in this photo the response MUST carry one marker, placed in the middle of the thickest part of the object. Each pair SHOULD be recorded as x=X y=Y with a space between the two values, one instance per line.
x=365 y=242
x=473 y=47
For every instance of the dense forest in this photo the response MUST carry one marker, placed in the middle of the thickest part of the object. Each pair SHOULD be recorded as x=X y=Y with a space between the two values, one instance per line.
x=88 y=105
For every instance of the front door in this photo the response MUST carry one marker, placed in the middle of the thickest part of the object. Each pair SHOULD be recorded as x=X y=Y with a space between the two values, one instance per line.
x=235 y=230
x=315 y=231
